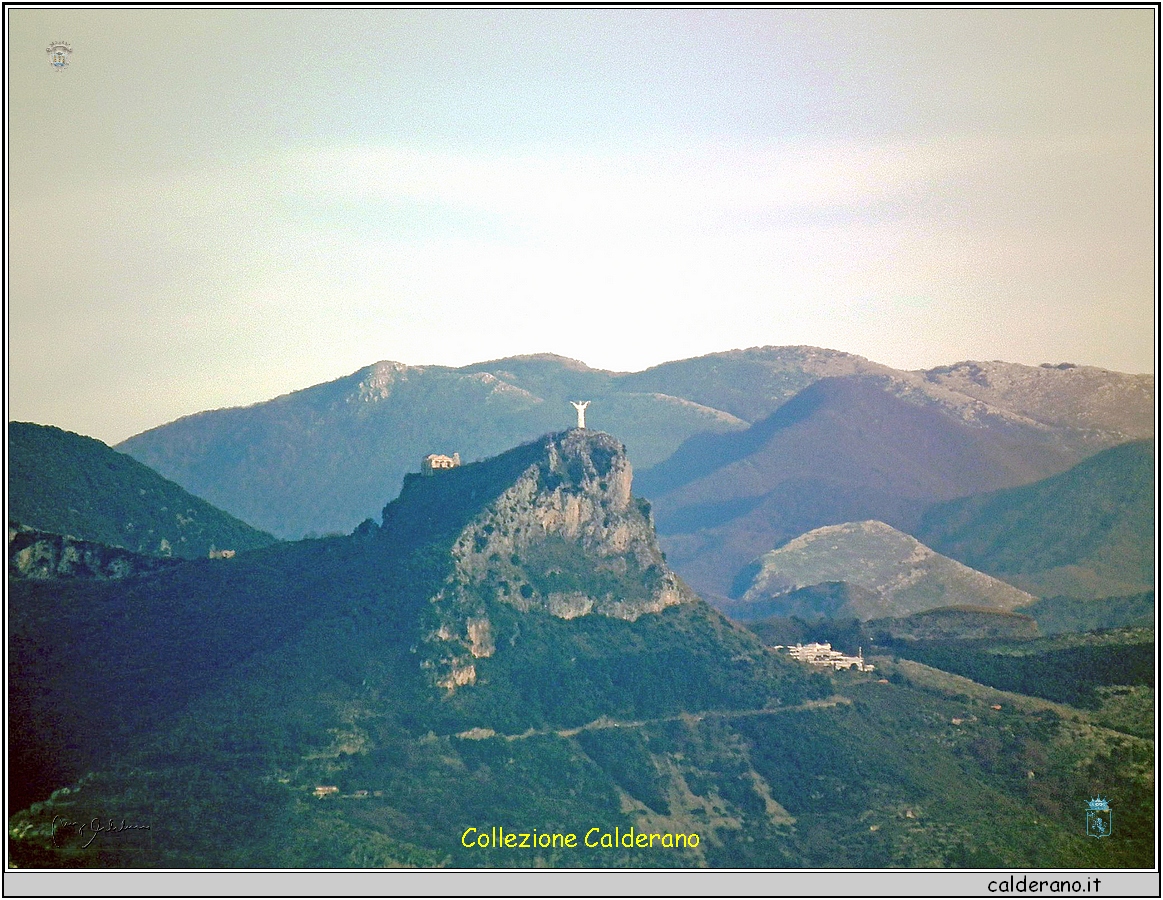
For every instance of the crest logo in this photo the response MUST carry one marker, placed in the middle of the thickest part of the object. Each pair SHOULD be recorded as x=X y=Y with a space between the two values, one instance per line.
x=1098 y=818
x=58 y=55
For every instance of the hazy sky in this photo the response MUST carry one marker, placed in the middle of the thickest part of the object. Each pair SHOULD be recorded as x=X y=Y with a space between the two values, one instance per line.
x=212 y=207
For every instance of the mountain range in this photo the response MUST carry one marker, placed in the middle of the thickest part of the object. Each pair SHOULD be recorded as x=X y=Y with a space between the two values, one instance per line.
x=320 y=460
x=842 y=450
x=738 y=451
x=312 y=461
x=519 y=643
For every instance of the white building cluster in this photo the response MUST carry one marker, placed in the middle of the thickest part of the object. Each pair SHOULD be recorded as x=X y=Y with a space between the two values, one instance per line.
x=824 y=655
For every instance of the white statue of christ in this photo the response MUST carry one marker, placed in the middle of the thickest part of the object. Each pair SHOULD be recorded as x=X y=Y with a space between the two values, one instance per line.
x=581 y=412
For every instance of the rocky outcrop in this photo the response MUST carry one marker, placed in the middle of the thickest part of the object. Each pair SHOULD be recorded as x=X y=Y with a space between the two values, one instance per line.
x=566 y=539
x=41 y=556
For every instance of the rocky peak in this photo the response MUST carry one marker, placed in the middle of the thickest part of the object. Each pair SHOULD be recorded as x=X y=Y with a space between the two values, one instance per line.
x=565 y=538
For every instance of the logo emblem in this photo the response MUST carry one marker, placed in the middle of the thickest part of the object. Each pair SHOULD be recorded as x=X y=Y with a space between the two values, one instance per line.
x=58 y=55
x=1098 y=818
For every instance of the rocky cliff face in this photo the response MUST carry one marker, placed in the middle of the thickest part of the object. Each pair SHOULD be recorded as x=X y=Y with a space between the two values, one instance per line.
x=566 y=539
x=40 y=556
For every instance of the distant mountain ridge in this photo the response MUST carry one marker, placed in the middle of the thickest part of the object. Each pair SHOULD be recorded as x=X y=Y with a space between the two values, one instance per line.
x=323 y=458
x=68 y=484
x=1064 y=395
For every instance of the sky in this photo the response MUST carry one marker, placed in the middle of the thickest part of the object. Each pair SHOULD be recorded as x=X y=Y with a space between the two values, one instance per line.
x=212 y=207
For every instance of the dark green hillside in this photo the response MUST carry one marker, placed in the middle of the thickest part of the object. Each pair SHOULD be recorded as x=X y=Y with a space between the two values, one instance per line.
x=957 y=623
x=1067 y=668
x=67 y=484
x=93 y=664
x=992 y=647
x=564 y=674
x=884 y=775
x=1088 y=532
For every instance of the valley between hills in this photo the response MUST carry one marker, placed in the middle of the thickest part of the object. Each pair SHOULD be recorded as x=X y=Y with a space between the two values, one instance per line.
x=221 y=638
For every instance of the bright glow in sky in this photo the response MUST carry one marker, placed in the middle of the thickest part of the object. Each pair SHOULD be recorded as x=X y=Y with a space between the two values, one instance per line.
x=211 y=207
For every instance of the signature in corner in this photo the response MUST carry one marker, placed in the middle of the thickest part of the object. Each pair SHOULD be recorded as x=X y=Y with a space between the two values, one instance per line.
x=88 y=831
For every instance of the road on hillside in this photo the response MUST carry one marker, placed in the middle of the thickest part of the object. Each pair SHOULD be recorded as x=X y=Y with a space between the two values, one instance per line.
x=476 y=734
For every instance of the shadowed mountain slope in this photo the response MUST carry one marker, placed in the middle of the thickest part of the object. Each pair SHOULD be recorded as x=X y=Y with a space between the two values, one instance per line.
x=1088 y=532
